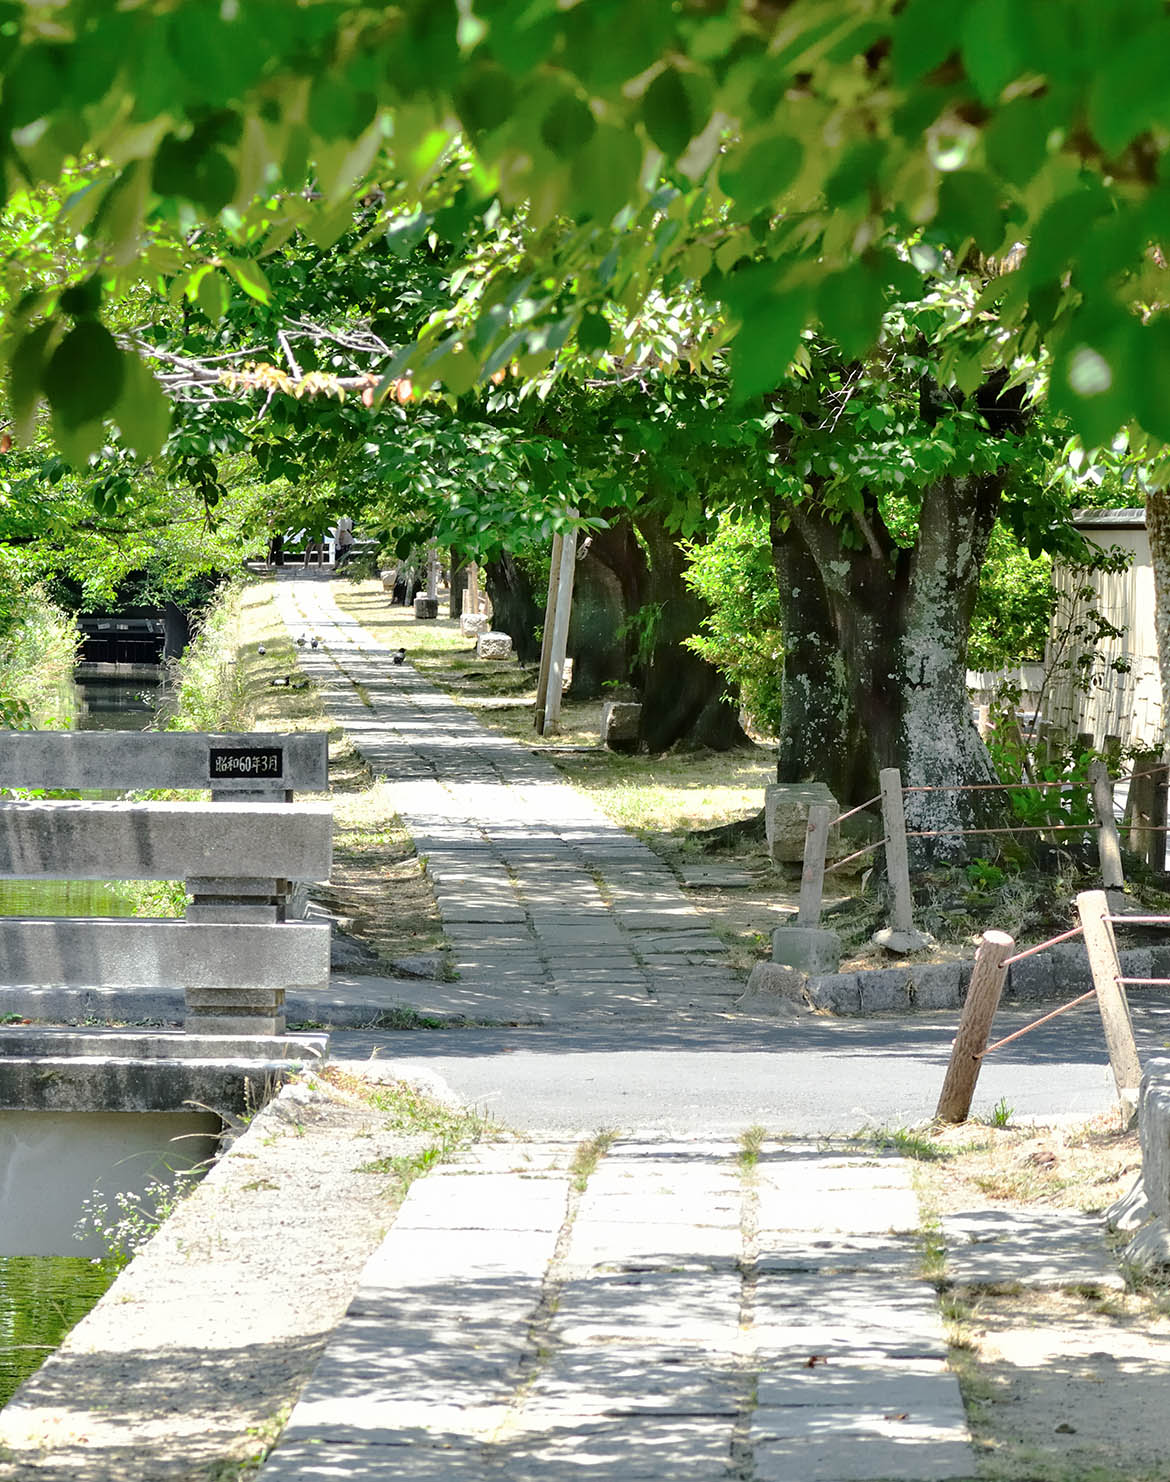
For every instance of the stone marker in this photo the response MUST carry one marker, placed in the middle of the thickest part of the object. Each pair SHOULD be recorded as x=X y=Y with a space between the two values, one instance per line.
x=812 y=949
x=786 y=808
x=1150 y=1248
x=773 y=989
x=426 y=608
x=472 y=624
x=621 y=723
x=492 y=645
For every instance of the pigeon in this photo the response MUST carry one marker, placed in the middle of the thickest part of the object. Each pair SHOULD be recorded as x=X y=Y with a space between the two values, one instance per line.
x=313 y=642
x=398 y=657
x=260 y=649
x=279 y=680
x=301 y=641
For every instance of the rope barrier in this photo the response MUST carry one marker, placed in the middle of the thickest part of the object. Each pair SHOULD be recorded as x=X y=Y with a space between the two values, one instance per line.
x=1148 y=982
x=1036 y=1023
x=861 y=807
x=1039 y=828
x=869 y=848
x=1052 y=941
x=1138 y=920
x=995 y=786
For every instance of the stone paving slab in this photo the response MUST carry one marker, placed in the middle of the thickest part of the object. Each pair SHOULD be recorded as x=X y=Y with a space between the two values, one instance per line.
x=696 y=1309
x=612 y=1382
x=1038 y=1250
x=645 y=1247
x=832 y=1257
x=860 y=1458
x=632 y=1449
x=418 y=1460
x=915 y=1386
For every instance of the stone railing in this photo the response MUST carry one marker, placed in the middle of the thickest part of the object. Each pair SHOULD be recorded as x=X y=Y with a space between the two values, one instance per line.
x=233 y=953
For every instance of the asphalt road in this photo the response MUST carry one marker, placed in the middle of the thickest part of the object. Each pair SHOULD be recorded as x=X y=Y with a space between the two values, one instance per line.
x=811 y=1076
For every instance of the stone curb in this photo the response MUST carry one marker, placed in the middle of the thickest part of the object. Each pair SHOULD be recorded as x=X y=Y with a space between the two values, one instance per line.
x=1063 y=971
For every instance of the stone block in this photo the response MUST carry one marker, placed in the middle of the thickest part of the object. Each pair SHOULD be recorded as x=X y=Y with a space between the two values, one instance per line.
x=936 y=985
x=1070 y=969
x=165 y=841
x=884 y=991
x=1137 y=962
x=246 y=1022
x=1033 y=979
x=786 y=808
x=1154 y=1131
x=472 y=624
x=773 y=989
x=426 y=608
x=1131 y=1211
x=119 y=760
x=1160 y=961
x=812 y=949
x=92 y=952
x=386 y=576
x=254 y=913
x=838 y=993
x=621 y=724
x=492 y=645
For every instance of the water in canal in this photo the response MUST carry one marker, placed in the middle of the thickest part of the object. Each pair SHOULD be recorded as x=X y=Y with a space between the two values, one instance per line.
x=43 y=1296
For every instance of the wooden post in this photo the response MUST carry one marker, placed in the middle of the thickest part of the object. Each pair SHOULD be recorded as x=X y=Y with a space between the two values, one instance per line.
x=1108 y=844
x=1101 y=945
x=987 y=979
x=560 y=637
x=897 y=857
x=1139 y=809
x=812 y=879
x=1158 y=818
x=433 y=571
x=471 y=601
x=550 y=607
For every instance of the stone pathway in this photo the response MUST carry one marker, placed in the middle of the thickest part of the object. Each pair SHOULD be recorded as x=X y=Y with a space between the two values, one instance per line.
x=678 y=1317
x=669 y=1314
x=552 y=910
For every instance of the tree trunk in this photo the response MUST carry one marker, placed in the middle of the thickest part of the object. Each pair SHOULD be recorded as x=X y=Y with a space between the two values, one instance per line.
x=684 y=699
x=820 y=738
x=901 y=617
x=606 y=591
x=516 y=608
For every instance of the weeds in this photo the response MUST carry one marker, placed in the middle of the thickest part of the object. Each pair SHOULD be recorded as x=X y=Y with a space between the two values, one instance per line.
x=589 y=1154
x=751 y=1140
x=911 y=1142
x=126 y=1226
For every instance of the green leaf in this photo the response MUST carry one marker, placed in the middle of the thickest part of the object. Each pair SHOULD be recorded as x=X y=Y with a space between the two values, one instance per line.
x=593 y=333
x=855 y=172
x=924 y=37
x=606 y=171
x=1129 y=87
x=486 y=98
x=213 y=296
x=568 y=126
x=83 y=300
x=25 y=371
x=143 y=411
x=1015 y=142
x=969 y=206
x=764 y=346
x=84 y=376
x=988 y=40
x=757 y=176
x=850 y=306
x=78 y=444
x=1057 y=235
x=250 y=277
x=672 y=111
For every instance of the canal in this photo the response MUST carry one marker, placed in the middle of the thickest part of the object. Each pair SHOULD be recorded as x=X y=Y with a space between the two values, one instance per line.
x=60 y=1200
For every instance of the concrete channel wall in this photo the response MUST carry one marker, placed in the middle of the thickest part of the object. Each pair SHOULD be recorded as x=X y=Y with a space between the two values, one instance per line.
x=1061 y=972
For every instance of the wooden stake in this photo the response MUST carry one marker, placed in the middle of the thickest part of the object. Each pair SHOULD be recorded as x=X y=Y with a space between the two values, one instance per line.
x=987 y=979
x=1108 y=845
x=550 y=607
x=812 y=879
x=897 y=857
x=560 y=641
x=1101 y=945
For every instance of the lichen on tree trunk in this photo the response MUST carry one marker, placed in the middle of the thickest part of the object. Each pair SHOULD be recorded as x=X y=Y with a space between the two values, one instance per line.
x=896 y=686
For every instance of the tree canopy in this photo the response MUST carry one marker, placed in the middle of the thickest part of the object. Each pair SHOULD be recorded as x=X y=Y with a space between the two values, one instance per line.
x=792 y=161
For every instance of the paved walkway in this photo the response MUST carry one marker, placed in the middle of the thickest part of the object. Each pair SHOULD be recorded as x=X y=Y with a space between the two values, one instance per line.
x=679 y=1317
x=650 y=1311
x=552 y=910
